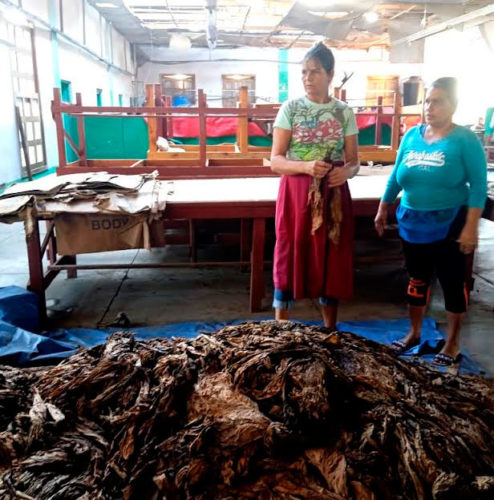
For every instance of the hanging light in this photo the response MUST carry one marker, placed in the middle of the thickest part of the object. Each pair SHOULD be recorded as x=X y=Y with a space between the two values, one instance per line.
x=371 y=16
x=179 y=42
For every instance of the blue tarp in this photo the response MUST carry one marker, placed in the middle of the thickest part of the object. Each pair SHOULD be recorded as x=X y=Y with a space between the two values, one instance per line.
x=20 y=345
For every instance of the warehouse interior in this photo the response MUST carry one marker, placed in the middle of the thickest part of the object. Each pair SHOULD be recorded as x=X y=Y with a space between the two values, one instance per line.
x=136 y=195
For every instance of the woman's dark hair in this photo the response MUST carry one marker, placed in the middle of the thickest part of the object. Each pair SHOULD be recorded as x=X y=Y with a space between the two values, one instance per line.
x=322 y=54
x=449 y=85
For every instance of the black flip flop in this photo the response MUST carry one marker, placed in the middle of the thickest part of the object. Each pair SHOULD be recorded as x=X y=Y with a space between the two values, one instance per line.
x=447 y=360
x=399 y=346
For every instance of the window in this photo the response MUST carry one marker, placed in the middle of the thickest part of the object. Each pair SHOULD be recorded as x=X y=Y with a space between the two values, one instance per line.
x=231 y=86
x=99 y=97
x=180 y=87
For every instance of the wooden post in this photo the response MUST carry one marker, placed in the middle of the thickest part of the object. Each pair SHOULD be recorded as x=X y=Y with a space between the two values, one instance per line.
x=35 y=262
x=378 y=133
x=243 y=124
x=201 y=97
x=152 y=121
x=336 y=92
x=51 y=251
x=57 y=117
x=71 y=272
x=257 y=264
x=245 y=235
x=343 y=95
x=20 y=127
x=158 y=103
x=82 y=134
x=192 y=241
x=396 y=123
x=167 y=122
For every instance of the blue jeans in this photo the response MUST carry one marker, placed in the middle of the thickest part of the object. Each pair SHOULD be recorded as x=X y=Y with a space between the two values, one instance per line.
x=284 y=300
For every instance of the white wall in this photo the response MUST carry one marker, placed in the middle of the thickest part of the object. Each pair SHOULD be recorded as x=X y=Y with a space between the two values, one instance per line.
x=72 y=16
x=46 y=83
x=467 y=56
x=92 y=26
x=9 y=143
x=259 y=62
x=112 y=73
x=361 y=62
x=37 y=7
x=263 y=63
x=85 y=74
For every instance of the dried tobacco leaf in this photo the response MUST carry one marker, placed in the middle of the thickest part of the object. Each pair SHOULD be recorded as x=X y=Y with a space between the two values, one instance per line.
x=258 y=410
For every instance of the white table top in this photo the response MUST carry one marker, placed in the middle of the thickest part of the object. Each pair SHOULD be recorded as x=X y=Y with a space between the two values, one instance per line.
x=153 y=196
x=255 y=189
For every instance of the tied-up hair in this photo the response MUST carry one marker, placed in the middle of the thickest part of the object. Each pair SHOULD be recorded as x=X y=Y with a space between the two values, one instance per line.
x=449 y=85
x=322 y=54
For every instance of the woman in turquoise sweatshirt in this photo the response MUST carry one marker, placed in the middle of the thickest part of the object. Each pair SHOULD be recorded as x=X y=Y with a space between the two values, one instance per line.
x=441 y=169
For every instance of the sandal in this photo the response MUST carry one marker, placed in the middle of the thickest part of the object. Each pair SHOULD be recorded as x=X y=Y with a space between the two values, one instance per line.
x=399 y=346
x=446 y=359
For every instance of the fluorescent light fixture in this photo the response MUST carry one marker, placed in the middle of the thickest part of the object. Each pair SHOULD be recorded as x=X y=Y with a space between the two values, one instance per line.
x=371 y=16
x=106 y=5
x=236 y=77
x=329 y=15
x=178 y=76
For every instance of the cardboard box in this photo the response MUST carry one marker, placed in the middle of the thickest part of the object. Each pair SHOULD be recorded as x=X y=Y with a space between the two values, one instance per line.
x=86 y=233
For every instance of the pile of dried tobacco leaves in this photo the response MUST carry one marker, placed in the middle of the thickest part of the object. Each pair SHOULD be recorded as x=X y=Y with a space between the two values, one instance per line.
x=261 y=411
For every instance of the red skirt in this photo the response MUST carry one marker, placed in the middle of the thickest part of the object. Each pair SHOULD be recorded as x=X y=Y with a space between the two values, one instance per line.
x=310 y=265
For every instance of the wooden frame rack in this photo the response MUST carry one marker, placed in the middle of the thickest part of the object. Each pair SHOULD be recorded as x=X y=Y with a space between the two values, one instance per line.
x=202 y=160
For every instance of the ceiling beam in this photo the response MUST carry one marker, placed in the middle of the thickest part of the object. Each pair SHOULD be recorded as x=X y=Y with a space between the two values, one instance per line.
x=445 y=25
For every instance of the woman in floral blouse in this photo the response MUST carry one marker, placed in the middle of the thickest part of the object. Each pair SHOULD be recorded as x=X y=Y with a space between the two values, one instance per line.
x=314 y=222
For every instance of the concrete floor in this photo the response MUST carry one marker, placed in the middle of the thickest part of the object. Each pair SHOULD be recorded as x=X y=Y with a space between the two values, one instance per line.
x=160 y=296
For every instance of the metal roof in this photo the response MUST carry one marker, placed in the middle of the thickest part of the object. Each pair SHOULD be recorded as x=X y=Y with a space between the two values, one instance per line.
x=286 y=23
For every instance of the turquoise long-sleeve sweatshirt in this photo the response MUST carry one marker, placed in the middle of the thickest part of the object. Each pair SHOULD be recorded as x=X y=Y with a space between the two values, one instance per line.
x=448 y=173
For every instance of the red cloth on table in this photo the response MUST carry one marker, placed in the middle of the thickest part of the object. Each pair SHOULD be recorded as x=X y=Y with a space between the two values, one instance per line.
x=367 y=121
x=310 y=265
x=216 y=126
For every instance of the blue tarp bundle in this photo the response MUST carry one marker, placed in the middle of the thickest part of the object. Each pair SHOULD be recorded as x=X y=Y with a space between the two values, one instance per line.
x=19 y=345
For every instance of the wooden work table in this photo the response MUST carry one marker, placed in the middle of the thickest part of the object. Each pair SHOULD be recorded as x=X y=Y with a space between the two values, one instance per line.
x=252 y=200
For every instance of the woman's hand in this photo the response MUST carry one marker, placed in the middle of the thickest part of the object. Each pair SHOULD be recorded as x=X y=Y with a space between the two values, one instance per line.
x=381 y=218
x=317 y=168
x=338 y=176
x=468 y=238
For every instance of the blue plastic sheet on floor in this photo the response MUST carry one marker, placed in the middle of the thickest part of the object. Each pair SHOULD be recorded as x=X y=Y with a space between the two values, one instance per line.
x=19 y=307
x=20 y=345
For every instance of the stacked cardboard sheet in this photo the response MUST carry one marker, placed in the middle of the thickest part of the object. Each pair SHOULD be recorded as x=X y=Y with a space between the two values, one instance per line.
x=92 y=212
x=102 y=191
